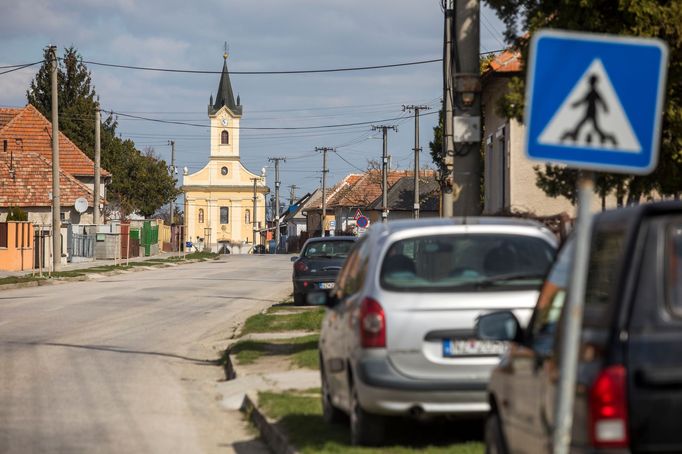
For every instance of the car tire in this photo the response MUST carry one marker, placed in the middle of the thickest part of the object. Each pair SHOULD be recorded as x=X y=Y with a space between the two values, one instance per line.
x=299 y=299
x=330 y=413
x=366 y=429
x=494 y=437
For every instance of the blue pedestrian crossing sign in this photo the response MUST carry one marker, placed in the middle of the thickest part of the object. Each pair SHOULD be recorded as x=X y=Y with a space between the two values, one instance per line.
x=595 y=101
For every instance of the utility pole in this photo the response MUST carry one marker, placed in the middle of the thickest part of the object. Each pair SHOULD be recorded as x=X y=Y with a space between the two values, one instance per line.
x=324 y=151
x=384 y=171
x=56 y=209
x=467 y=109
x=448 y=144
x=253 y=217
x=95 y=203
x=292 y=193
x=416 y=149
x=277 y=183
x=172 y=172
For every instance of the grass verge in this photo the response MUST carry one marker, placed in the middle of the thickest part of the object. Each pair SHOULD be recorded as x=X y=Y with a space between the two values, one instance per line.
x=299 y=415
x=302 y=351
x=271 y=322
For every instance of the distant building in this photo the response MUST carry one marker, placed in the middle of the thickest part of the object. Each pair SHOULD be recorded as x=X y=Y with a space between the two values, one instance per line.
x=219 y=197
x=362 y=194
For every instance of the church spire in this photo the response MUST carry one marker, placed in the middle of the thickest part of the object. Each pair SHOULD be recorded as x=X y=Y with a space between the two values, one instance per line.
x=225 y=95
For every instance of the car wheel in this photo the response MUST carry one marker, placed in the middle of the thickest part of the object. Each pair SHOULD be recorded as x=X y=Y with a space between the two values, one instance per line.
x=299 y=299
x=366 y=429
x=330 y=413
x=494 y=438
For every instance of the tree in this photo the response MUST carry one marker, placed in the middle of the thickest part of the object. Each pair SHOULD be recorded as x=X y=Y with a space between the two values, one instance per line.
x=647 y=18
x=140 y=182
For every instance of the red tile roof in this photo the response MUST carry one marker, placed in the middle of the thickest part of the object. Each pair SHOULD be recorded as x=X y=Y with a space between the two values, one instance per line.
x=361 y=190
x=506 y=62
x=35 y=134
x=32 y=182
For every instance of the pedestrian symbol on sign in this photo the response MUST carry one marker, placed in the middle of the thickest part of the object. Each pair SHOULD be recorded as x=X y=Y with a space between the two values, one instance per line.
x=596 y=115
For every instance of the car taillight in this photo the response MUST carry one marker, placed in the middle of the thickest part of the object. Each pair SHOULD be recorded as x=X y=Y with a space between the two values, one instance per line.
x=608 y=409
x=372 y=324
x=300 y=266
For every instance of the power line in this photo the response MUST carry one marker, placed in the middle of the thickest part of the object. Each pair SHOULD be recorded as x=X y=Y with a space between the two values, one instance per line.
x=261 y=128
x=299 y=71
x=18 y=67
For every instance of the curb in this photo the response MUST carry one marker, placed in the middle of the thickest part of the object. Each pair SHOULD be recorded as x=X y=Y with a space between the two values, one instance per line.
x=273 y=437
x=87 y=276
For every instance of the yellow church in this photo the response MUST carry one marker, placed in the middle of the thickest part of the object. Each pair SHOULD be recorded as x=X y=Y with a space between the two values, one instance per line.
x=219 y=199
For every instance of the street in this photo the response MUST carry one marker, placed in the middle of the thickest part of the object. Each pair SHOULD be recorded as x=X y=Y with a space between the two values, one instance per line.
x=127 y=363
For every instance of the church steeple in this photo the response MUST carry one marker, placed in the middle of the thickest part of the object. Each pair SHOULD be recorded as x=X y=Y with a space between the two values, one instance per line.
x=224 y=95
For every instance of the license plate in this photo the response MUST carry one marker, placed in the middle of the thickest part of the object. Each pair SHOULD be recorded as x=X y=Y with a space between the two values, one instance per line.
x=326 y=285
x=472 y=347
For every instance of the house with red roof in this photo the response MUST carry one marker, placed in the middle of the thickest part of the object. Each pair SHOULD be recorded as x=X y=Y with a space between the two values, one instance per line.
x=362 y=192
x=26 y=169
x=509 y=175
x=26 y=183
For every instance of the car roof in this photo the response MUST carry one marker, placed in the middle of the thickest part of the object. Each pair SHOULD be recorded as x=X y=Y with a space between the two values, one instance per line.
x=317 y=239
x=397 y=226
x=631 y=216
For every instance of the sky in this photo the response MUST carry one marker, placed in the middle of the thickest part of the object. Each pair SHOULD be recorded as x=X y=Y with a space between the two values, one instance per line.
x=267 y=35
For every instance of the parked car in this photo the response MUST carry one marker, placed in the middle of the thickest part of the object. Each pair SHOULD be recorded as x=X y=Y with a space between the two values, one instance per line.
x=319 y=264
x=398 y=337
x=629 y=382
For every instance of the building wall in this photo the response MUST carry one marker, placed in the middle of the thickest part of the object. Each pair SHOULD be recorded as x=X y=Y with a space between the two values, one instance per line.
x=17 y=253
x=509 y=175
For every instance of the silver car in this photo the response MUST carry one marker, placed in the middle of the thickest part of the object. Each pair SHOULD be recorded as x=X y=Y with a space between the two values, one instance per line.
x=398 y=335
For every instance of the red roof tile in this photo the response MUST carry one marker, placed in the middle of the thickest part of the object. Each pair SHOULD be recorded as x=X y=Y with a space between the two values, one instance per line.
x=505 y=62
x=34 y=132
x=32 y=182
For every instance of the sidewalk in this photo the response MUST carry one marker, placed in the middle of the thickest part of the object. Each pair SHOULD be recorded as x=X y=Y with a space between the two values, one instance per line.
x=93 y=264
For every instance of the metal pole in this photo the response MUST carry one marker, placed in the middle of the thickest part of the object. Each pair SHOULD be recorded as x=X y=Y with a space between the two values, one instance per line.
x=572 y=322
x=172 y=170
x=384 y=171
x=56 y=217
x=416 y=149
x=448 y=144
x=277 y=184
x=253 y=217
x=96 y=187
x=467 y=109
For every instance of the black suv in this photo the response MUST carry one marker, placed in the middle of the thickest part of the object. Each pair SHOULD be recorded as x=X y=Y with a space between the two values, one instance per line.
x=629 y=383
x=319 y=264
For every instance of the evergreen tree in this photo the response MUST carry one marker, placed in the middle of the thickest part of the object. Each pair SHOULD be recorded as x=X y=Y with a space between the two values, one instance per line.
x=140 y=182
x=646 y=18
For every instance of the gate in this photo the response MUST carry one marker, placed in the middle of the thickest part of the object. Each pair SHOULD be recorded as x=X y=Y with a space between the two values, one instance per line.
x=83 y=245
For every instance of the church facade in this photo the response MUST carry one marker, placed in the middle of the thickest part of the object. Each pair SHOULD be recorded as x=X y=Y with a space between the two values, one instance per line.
x=219 y=199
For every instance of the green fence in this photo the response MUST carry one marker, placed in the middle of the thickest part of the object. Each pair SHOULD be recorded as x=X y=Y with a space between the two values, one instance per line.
x=150 y=236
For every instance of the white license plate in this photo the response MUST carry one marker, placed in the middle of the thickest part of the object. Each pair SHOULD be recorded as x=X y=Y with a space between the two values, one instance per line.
x=472 y=347
x=326 y=285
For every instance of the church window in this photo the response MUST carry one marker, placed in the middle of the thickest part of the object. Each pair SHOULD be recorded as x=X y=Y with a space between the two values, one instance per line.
x=247 y=217
x=224 y=170
x=224 y=138
x=224 y=215
x=201 y=215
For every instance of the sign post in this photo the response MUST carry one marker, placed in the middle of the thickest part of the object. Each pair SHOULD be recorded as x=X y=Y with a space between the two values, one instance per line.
x=599 y=112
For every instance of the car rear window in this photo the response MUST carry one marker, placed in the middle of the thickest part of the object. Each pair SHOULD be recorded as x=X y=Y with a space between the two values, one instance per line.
x=674 y=269
x=328 y=249
x=445 y=263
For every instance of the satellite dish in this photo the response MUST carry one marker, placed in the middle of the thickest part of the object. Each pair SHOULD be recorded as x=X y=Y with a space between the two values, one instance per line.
x=81 y=205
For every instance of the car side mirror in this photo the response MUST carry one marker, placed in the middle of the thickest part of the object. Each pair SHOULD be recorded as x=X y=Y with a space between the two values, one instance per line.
x=499 y=326
x=294 y=258
x=322 y=299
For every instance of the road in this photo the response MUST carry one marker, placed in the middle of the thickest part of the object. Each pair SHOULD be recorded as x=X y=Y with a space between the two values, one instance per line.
x=126 y=363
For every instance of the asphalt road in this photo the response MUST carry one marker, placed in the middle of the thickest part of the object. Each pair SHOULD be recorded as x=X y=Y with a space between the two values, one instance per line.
x=126 y=363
